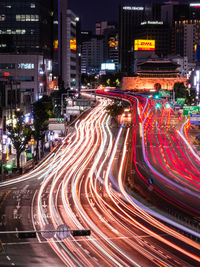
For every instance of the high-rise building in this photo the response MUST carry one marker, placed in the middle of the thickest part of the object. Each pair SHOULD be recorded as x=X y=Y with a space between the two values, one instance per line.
x=130 y=18
x=111 y=47
x=72 y=66
x=101 y=26
x=158 y=31
x=92 y=56
x=26 y=26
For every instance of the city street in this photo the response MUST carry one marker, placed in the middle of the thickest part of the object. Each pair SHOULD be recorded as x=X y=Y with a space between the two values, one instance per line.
x=82 y=186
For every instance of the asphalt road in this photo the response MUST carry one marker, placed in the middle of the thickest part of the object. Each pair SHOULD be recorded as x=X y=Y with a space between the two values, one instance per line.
x=82 y=185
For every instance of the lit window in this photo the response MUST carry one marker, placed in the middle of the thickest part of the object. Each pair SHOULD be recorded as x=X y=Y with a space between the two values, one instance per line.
x=2 y=17
x=28 y=17
x=32 y=5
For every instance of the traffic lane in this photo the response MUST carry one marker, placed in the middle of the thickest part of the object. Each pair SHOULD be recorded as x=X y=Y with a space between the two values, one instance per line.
x=16 y=212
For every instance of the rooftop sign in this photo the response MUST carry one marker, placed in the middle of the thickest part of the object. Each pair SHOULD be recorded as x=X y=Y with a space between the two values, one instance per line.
x=152 y=22
x=133 y=8
x=195 y=4
x=144 y=45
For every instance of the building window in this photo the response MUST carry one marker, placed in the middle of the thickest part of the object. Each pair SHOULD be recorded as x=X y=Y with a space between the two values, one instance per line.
x=27 y=17
x=2 y=17
x=32 y=5
x=26 y=78
x=7 y=66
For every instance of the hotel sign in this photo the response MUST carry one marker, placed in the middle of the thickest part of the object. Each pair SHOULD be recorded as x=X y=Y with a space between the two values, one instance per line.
x=144 y=45
x=152 y=22
x=139 y=8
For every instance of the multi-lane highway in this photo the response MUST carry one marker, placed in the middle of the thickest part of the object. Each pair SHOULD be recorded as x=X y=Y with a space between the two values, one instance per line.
x=83 y=184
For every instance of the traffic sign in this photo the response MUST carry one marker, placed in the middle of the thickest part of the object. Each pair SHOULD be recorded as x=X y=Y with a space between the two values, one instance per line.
x=50 y=234
x=81 y=232
x=195 y=119
x=27 y=234
x=164 y=93
x=62 y=231
x=180 y=101
x=187 y=110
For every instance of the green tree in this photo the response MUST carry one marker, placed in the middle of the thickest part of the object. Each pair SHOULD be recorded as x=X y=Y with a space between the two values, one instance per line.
x=20 y=134
x=42 y=110
x=180 y=90
x=190 y=96
x=114 y=110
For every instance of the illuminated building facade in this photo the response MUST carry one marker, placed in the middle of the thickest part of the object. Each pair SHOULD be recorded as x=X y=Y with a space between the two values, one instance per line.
x=154 y=75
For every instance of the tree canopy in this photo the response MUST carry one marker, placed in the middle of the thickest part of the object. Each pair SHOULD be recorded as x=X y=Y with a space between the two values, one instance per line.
x=114 y=110
x=42 y=110
x=20 y=134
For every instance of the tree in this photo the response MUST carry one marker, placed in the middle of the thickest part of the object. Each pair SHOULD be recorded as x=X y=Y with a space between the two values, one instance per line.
x=180 y=90
x=190 y=97
x=20 y=134
x=42 y=110
x=114 y=110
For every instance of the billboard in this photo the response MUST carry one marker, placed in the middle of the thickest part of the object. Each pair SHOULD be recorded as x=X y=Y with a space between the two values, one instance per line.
x=113 y=42
x=195 y=119
x=108 y=66
x=55 y=45
x=144 y=45
x=73 y=44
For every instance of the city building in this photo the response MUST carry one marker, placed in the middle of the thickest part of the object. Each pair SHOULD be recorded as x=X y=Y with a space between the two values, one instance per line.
x=130 y=17
x=103 y=25
x=33 y=74
x=71 y=57
x=92 y=54
x=158 y=31
x=111 y=46
x=183 y=64
x=187 y=36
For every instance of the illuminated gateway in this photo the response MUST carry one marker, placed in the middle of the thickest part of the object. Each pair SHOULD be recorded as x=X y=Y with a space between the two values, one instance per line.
x=153 y=75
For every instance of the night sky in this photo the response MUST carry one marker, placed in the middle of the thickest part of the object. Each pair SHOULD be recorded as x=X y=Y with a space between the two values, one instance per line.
x=91 y=11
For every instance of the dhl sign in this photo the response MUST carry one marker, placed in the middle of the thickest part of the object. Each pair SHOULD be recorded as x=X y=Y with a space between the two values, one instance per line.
x=144 y=45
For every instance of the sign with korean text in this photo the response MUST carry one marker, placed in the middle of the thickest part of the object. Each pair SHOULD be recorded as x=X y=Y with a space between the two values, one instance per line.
x=164 y=93
x=187 y=110
x=144 y=45
x=195 y=119
x=180 y=101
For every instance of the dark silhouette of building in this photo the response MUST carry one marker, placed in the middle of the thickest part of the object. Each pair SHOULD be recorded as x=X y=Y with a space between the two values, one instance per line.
x=27 y=26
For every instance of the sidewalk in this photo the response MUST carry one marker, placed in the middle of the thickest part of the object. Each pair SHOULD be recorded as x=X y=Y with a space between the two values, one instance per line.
x=26 y=167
